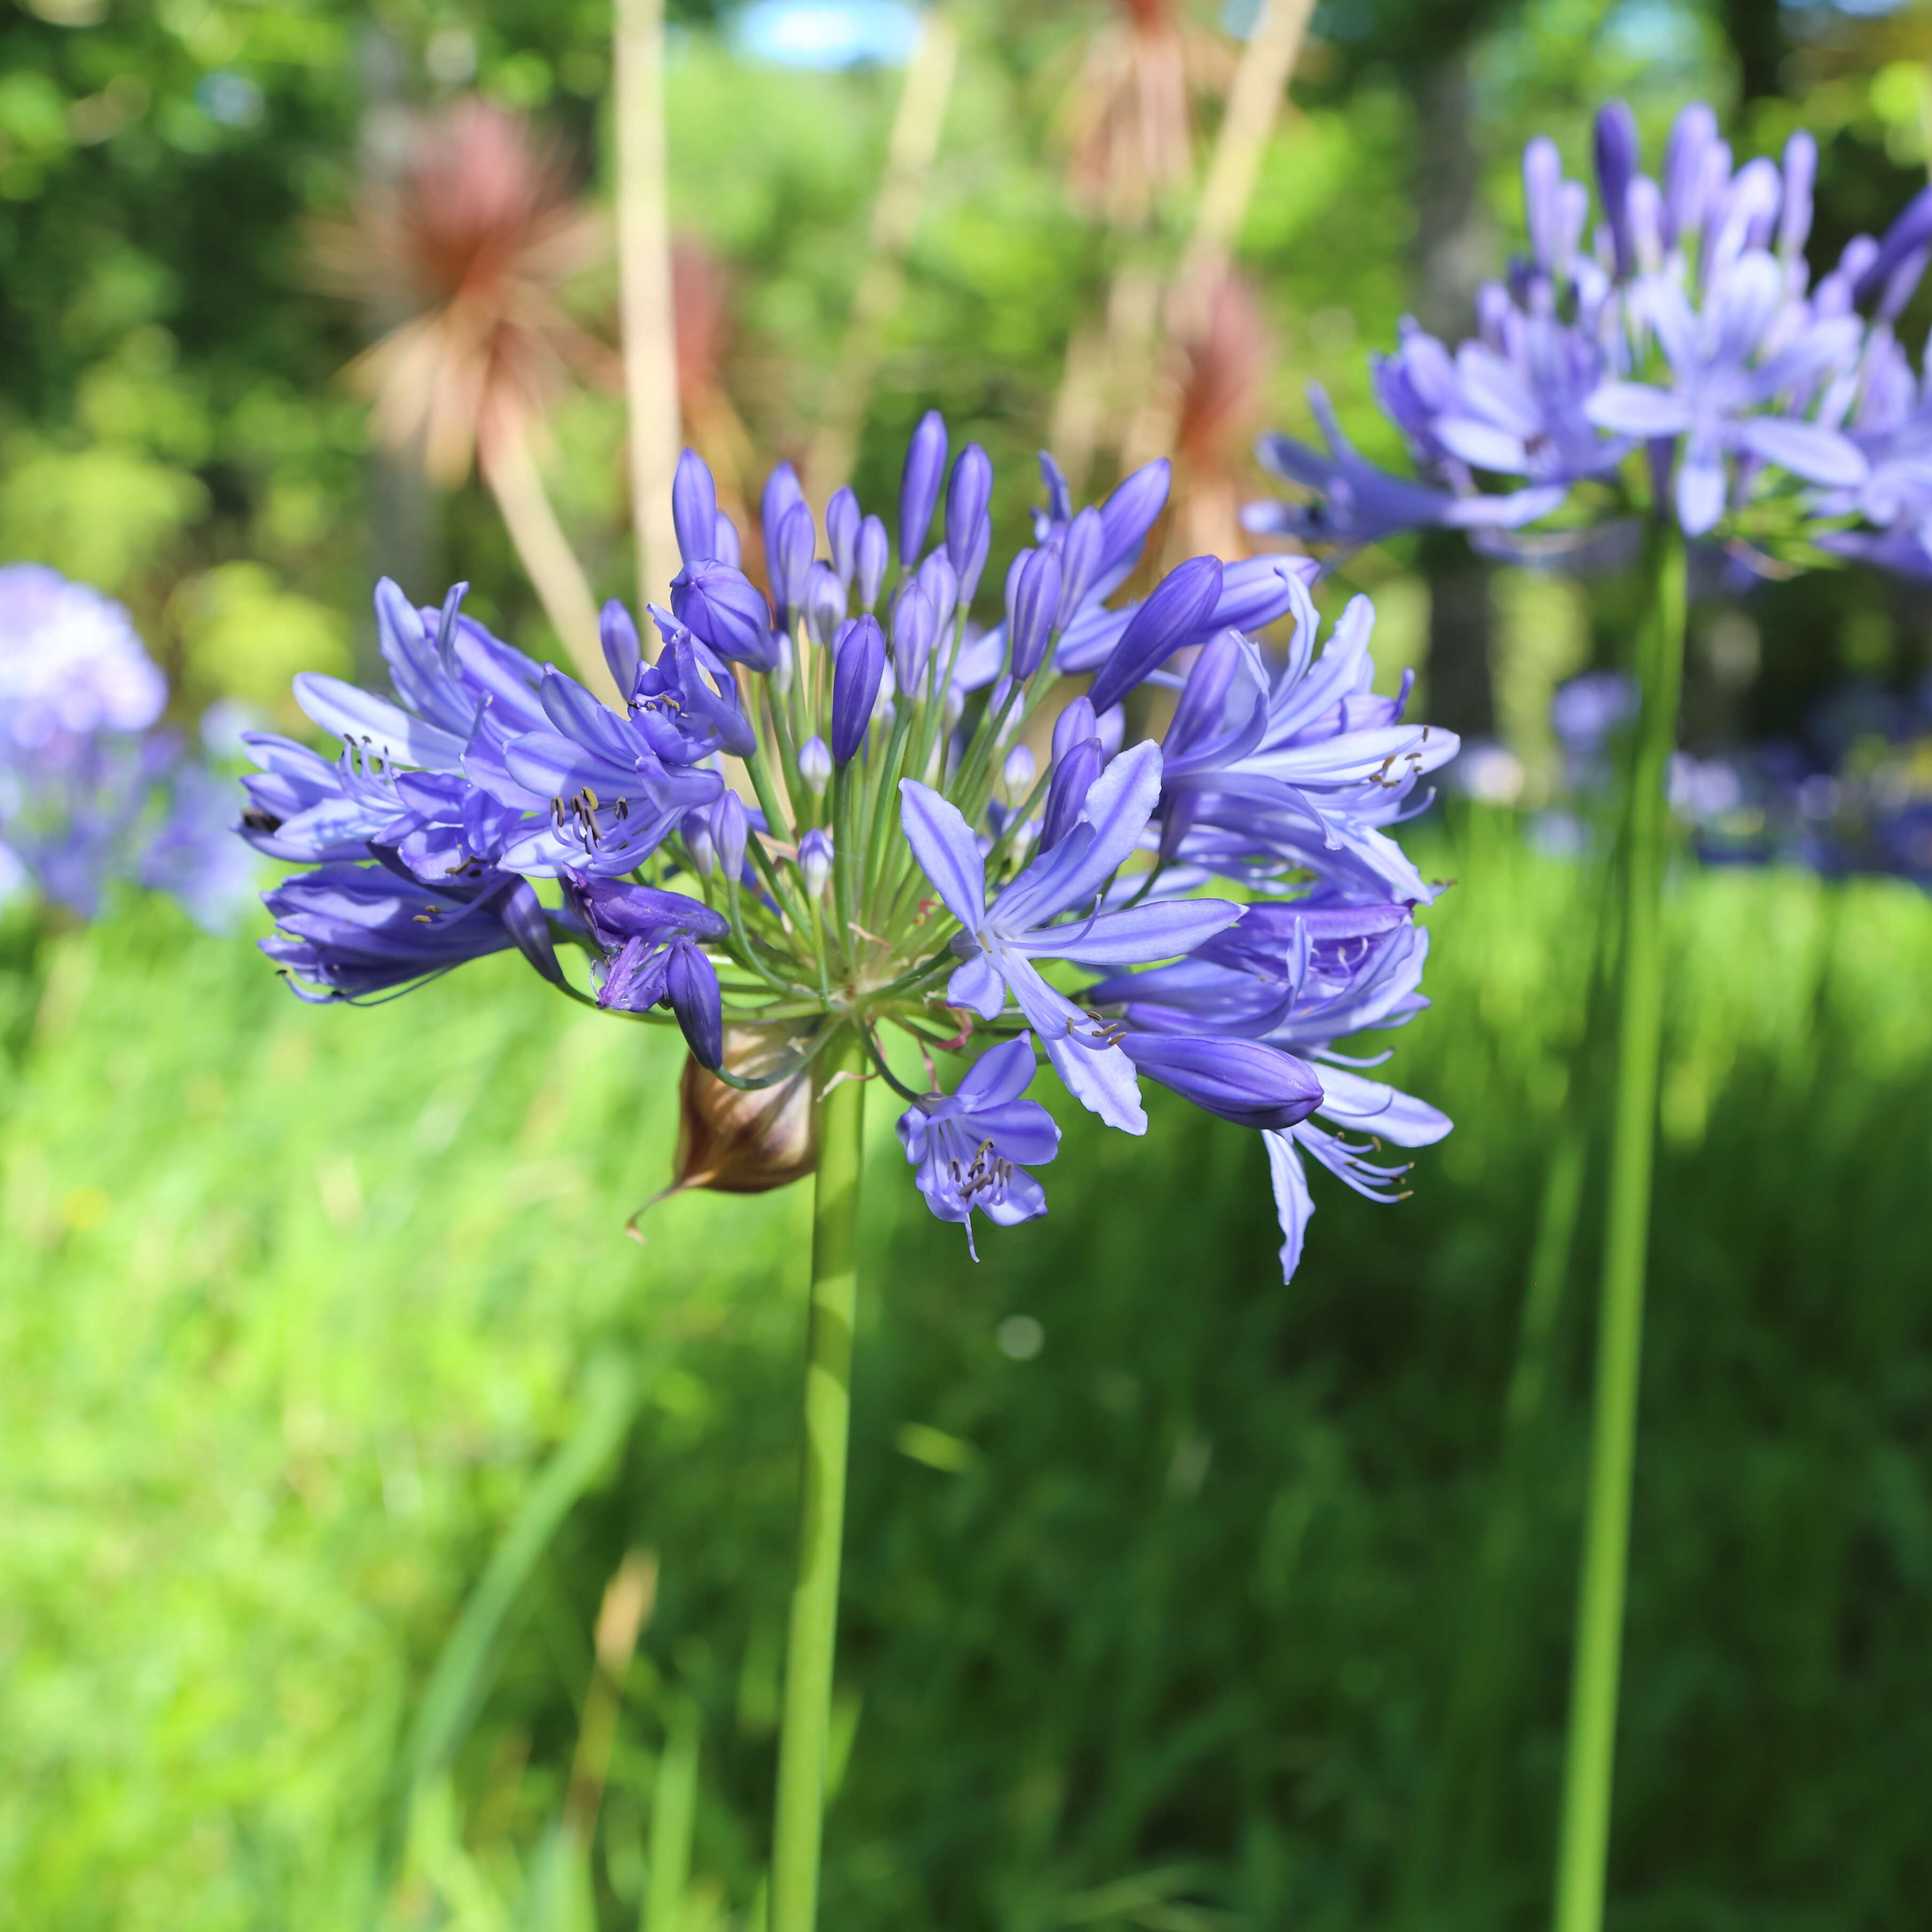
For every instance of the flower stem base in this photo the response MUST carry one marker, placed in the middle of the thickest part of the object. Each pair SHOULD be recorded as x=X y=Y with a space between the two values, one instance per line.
x=805 y=1723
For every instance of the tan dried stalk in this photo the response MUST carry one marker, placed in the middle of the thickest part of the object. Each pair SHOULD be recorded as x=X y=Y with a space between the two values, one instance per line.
x=644 y=283
x=909 y=155
x=1254 y=101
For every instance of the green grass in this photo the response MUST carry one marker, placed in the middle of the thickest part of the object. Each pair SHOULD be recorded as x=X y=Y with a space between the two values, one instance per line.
x=1153 y=1629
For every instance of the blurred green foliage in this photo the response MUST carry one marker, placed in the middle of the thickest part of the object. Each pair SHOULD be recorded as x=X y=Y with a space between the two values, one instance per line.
x=1155 y=1567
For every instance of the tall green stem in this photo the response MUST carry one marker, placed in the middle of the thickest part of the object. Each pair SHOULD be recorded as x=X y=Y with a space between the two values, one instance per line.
x=1583 y=1845
x=807 y=1716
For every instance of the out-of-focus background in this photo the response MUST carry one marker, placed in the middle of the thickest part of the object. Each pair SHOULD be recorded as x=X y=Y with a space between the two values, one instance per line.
x=382 y=1525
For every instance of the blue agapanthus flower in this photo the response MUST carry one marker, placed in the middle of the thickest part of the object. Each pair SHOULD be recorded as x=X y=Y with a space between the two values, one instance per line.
x=92 y=790
x=832 y=804
x=1678 y=352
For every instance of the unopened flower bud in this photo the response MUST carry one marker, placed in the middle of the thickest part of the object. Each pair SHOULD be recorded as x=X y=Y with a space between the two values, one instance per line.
x=919 y=485
x=697 y=841
x=954 y=708
x=842 y=519
x=694 y=509
x=824 y=604
x=1126 y=517
x=784 y=661
x=782 y=490
x=1032 y=606
x=1175 y=616
x=797 y=539
x=1018 y=772
x=724 y=544
x=914 y=628
x=814 y=764
x=1074 y=726
x=814 y=860
x=724 y=608
x=617 y=631
x=936 y=578
x=874 y=553
x=1080 y=554
x=731 y=832
x=1075 y=768
x=969 y=530
x=1616 y=157
x=858 y=664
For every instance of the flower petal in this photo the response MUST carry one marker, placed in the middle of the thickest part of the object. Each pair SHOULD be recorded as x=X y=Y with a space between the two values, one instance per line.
x=358 y=718
x=1118 y=807
x=1370 y=1107
x=1157 y=930
x=976 y=987
x=1818 y=455
x=948 y=853
x=998 y=1076
x=1635 y=408
x=1293 y=1203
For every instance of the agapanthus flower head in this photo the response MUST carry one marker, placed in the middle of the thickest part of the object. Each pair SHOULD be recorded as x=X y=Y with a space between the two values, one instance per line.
x=1673 y=359
x=91 y=791
x=809 y=823
x=71 y=663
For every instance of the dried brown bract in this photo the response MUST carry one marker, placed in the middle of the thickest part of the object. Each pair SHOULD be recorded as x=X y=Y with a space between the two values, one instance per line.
x=735 y=1142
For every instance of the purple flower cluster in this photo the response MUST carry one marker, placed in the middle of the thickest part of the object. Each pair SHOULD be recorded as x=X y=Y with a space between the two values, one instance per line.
x=839 y=806
x=1679 y=352
x=90 y=790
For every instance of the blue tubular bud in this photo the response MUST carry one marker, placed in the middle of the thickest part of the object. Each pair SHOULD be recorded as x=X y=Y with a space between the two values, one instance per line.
x=1616 y=150
x=1074 y=771
x=969 y=530
x=1126 y=517
x=936 y=578
x=1908 y=235
x=824 y=604
x=1074 y=726
x=782 y=490
x=1081 y=552
x=731 y=832
x=1034 y=605
x=914 y=630
x=696 y=831
x=919 y=485
x=797 y=539
x=725 y=546
x=873 y=554
x=1238 y=1080
x=814 y=860
x=1176 y=615
x=726 y=610
x=617 y=632
x=842 y=532
x=814 y=764
x=858 y=664
x=1692 y=135
x=694 y=509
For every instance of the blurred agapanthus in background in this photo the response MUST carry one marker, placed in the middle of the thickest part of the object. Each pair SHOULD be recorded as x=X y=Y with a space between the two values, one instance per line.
x=91 y=791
